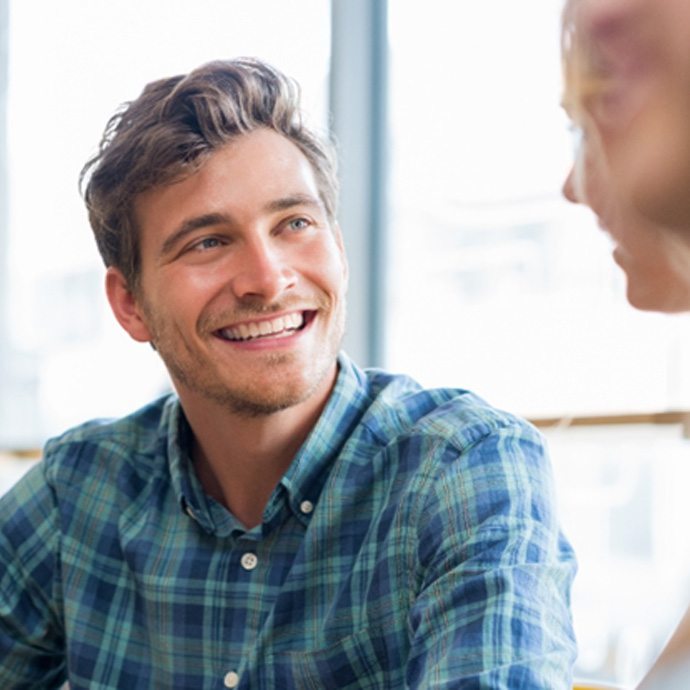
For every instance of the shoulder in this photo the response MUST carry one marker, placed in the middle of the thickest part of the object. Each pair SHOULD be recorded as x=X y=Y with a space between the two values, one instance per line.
x=401 y=408
x=445 y=440
x=136 y=441
x=453 y=461
x=454 y=446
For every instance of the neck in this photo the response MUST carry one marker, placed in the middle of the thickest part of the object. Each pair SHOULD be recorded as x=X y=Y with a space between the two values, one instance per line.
x=240 y=459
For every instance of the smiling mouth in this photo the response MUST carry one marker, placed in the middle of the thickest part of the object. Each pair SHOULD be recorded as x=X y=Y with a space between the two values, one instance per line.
x=279 y=327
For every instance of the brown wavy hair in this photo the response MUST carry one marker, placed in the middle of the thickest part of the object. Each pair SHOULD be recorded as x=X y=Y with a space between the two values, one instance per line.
x=168 y=132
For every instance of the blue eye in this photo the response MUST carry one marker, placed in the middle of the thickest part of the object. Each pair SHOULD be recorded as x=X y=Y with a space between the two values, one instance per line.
x=299 y=224
x=207 y=243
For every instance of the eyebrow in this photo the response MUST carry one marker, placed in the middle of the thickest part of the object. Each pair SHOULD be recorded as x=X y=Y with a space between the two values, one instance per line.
x=292 y=200
x=189 y=226
x=207 y=220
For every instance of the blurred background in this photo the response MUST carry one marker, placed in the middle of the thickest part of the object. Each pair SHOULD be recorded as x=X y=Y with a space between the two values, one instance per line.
x=467 y=266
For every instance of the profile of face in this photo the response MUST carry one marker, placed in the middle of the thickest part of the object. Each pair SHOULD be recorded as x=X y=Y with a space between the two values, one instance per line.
x=629 y=68
x=655 y=260
x=243 y=279
x=613 y=97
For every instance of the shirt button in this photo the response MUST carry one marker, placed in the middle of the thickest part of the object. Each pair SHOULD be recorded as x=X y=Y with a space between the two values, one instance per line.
x=306 y=507
x=231 y=679
x=249 y=561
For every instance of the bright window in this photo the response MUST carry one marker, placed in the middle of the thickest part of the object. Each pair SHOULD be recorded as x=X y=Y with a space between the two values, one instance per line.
x=496 y=282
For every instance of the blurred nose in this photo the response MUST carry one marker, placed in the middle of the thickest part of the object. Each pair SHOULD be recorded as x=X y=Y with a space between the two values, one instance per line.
x=263 y=271
x=568 y=189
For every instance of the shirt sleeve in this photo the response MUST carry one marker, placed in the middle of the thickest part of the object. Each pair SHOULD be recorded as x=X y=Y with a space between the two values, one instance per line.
x=31 y=636
x=494 y=572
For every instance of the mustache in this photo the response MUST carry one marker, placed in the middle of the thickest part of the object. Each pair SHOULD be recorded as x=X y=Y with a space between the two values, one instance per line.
x=255 y=307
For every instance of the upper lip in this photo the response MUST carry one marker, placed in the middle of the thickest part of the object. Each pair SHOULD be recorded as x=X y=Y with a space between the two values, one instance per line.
x=280 y=324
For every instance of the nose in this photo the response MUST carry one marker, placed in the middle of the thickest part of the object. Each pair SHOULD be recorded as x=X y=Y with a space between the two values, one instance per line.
x=568 y=189
x=263 y=270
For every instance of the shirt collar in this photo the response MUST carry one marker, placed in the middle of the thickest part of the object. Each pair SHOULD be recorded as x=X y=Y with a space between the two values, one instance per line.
x=190 y=495
x=310 y=468
x=301 y=485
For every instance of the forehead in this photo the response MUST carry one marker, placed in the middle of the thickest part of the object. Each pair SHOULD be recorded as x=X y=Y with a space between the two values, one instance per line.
x=261 y=160
x=253 y=169
x=603 y=35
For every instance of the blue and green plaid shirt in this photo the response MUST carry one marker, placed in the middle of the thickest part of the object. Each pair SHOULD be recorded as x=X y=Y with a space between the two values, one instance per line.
x=411 y=544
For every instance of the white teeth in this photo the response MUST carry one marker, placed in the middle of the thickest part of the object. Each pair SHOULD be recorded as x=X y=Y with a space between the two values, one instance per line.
x=281 y=326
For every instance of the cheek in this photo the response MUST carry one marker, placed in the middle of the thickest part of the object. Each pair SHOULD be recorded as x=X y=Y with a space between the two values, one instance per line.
x=633 y=142
x=180 y=296
x=655 y=167
x=198 y=282
x=325 y=265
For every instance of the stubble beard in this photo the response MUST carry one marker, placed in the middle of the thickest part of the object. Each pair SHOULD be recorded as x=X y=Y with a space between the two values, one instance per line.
x=189 y=370
x=249 y=402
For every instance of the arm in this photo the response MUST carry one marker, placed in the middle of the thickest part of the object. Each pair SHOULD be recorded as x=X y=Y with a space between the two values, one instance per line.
x=495 y=573
x=672 y=669
x=31 y=640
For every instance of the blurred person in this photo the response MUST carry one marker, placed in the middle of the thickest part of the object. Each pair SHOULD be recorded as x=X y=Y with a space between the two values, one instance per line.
x=623 y=102
x=628 y=67
x=627 y=92
x=284 y=519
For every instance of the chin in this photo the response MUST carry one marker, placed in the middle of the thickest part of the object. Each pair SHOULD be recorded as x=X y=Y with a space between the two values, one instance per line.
x=661 y=301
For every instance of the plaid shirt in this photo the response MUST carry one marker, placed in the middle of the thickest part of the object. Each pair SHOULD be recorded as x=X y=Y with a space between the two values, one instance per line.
x=412 y=543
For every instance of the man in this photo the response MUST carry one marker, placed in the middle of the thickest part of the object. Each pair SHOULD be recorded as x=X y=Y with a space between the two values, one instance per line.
x=285 y=520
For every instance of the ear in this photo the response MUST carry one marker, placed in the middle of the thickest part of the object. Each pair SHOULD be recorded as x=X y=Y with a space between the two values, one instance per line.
x=125 y=306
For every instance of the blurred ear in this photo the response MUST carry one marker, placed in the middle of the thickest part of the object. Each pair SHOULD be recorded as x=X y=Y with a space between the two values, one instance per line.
x=125 y=306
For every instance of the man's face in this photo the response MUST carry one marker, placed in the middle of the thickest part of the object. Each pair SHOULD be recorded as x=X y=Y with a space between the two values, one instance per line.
x=637 y=52
x=243 y=279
